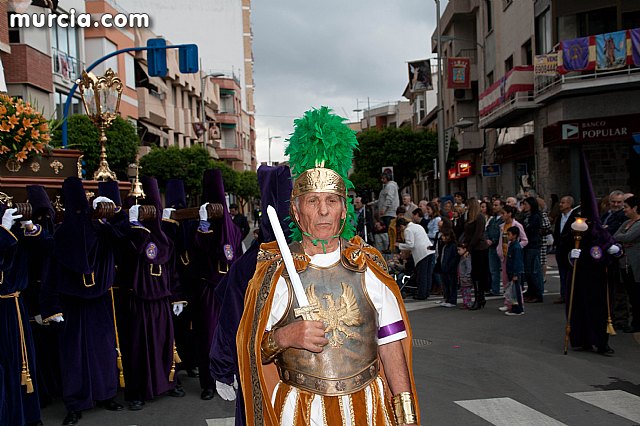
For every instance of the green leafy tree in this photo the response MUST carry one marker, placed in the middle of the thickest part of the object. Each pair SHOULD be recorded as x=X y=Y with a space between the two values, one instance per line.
x=407 y=151
x=230 y=177
x=187 y=164
x=122 y=143
x=247 y=186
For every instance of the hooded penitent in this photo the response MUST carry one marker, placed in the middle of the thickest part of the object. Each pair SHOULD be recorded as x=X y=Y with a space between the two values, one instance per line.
x=110 y=190
x=42 y=210
x=159 y=246
x=175 y=196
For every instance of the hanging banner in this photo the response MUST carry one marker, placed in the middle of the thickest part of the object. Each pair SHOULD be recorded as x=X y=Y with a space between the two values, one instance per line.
x=459 y=73
x=635 y=46
x=611 y=50
x=546 y=65
x=420 y=76
x=577 y=55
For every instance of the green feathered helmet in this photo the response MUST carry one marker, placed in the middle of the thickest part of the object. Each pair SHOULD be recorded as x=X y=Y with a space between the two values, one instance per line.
x=320 y=155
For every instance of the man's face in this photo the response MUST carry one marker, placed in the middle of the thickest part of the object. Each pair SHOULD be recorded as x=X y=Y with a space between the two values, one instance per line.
x=423 y=206
x=357 y=203
x=233 y=211
x=565 y=205
x=496 y=207
x=320 y=213
x=616 y=202
x=406 y=199
x=511 y=201
x=458 y=199
x=416 y=218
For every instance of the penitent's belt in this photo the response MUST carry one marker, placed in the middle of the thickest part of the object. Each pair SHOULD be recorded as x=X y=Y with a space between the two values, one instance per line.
x=25 y=377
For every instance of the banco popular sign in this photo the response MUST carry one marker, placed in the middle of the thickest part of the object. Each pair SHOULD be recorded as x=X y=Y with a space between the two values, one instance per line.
x=602 y=129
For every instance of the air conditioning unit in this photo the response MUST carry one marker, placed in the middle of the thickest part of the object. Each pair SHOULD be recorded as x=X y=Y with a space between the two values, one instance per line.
x=463 y=94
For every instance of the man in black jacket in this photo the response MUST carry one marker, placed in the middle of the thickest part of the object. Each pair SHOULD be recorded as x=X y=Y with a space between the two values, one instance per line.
x=563 y=240
x=239 y=219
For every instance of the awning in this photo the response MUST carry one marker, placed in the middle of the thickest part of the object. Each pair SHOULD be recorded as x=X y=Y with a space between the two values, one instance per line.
x=227 y=92
x=228 y=125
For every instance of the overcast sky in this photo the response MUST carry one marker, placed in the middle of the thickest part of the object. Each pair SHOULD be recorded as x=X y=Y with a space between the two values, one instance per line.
x=333 y=53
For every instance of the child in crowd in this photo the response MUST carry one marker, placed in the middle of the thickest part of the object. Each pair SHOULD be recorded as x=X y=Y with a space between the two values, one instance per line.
x=464 y=276
x=514 y=304
x=446 y=266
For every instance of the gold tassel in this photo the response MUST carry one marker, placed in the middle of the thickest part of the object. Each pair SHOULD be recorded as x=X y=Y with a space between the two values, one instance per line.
x=610 y=330
x=23 y=376
x=115 y=328
x=120 y=370
x=29 y=384
x=176 y=359
x=172 y=372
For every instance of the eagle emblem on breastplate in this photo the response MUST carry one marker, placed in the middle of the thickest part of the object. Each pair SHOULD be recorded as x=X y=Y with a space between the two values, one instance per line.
x=338 y=316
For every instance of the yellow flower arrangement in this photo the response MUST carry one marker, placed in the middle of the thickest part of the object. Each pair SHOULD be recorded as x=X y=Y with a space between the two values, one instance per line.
x=24 y=132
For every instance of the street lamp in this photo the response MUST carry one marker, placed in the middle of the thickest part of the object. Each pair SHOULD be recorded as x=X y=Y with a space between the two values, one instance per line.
x=442 y=166
x=101 y=99
x=271 y=137
x=205 y=122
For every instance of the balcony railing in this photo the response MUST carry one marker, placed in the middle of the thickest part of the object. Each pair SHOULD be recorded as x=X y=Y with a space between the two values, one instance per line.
x=65 y=65
x=516 y=85
x=546 y=84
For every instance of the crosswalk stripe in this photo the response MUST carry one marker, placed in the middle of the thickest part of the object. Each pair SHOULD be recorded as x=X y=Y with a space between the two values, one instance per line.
x=507 y=412
x=229 y=421
x=617 y=402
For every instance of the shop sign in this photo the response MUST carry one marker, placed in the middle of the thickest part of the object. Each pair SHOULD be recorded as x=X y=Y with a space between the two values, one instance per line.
x=603 y=129
x=491 y=170
x=461 y=170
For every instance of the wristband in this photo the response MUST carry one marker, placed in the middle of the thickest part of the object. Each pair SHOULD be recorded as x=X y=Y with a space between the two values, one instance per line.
x=269 y=348
x=404 y=408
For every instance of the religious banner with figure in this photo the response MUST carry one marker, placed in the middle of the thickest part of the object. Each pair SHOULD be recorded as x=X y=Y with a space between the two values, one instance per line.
x=459 y=73
x=578 y=54
x=635 y=46
x=420 y=76
x=611 y=50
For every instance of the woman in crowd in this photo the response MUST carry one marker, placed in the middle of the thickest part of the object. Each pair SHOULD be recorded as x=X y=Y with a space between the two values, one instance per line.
x=629 y=235
x=434 y=218
x=479 y=249
x=532 y=267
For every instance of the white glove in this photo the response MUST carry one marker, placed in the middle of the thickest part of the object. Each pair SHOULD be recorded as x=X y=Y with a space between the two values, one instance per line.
x=166 y=213
x=9 y=218
x=101 y=199
x=575 y=253
x=204 y=215
x=178 y=308
x=57 y=319
x=38 y=319
x=613 y=250
x=227 y=392
x=133 y=213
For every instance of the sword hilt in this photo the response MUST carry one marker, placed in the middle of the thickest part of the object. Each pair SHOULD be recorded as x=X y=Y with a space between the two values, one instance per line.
x=306 y=312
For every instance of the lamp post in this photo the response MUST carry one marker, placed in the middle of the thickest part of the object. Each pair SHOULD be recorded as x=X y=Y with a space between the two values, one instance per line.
x=442 y=166
x=101 y=99
x=205 y=122
x=271 y=137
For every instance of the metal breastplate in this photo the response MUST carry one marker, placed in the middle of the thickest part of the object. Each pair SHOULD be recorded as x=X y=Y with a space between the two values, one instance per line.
x=350 y=361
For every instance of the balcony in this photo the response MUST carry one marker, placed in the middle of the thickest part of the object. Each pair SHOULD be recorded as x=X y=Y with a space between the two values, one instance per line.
x=151 y=106
x=548 y=88
x=66 y=66
x=509 y=99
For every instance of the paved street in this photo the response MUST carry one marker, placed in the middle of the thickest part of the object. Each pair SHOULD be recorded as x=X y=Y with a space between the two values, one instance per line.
x=472 y=368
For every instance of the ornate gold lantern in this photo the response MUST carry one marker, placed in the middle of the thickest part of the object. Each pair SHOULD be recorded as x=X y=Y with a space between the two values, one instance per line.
x=101 y=99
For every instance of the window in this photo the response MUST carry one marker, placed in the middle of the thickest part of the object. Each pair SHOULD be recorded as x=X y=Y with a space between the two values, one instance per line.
x=64 y=43
x=631 y=20
x=544 y=36
x=60 y=99
x=489 y=79
x=587 y=23
x=14 y=33
x=508 y=64
x=489 y=15
x=527 y=53
x=130 y=69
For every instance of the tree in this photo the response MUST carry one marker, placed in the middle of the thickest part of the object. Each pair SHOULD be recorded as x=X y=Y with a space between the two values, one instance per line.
x=122 y=143
x=407 y=151
x=187 y=164
x=247 y=186
x=229 y=176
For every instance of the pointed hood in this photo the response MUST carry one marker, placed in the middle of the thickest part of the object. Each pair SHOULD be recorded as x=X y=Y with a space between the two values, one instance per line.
x=275 y=190
x=175 y=196
x=589 y=207
x=75 y=238
x=158 y=237
x=228 y=234
x=111 y=190
x=42 y=210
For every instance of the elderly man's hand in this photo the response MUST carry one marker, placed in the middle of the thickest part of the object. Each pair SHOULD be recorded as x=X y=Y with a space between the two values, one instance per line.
x=307 y=335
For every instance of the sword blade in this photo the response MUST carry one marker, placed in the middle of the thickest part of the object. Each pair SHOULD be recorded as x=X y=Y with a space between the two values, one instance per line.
x=287 y=258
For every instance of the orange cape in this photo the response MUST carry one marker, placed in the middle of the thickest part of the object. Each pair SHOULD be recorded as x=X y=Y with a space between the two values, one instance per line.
x=258 y=380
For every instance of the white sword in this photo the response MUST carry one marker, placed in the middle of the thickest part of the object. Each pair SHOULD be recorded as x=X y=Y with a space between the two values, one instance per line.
x=305 y=310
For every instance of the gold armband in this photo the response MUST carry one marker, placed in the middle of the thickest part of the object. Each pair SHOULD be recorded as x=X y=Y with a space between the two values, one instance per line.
x=404 y=408
x=269 y=348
